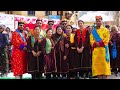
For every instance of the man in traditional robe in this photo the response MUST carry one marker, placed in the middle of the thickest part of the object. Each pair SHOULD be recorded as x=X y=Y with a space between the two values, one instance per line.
x=99 y=40
x=19 y=54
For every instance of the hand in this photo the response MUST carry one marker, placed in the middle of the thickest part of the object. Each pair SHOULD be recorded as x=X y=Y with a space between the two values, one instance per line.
x=65 y=57
x=38 y=53
x=52 y=47
x=45 y=68
x=67 y=45
x=79 y=50
x=24 y=48
x=111 y=43
x=97 y=44
x=34 y=53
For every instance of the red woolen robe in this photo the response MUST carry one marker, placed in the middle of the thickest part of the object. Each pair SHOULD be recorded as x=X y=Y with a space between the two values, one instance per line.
x=19 y=60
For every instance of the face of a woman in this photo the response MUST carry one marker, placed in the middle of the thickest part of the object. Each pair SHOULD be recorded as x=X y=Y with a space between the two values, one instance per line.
x=113 y=30
x=37 y=31
x=59 y=30
x=49 y=33
x=80 y=24
x=90 y=29
x=69 y=29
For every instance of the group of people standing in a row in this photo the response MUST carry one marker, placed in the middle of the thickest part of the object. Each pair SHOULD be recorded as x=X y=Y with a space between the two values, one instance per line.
x=64 y=52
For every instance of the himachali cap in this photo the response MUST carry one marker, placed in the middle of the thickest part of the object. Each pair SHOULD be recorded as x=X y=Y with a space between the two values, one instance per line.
x=39 y=19
x=98 y=17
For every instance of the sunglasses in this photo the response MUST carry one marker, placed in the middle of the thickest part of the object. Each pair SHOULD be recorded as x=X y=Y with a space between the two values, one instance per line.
x=64 y=23
x=21 y=25
x=50 y=24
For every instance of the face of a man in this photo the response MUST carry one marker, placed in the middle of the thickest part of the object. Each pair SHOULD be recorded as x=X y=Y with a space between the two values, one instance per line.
x=21 y=27
x=98 y=22
x=50 y=24
x=64 y=24
x=39 y=23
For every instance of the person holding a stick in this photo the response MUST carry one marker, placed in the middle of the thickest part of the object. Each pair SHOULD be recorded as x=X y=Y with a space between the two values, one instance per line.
x=58 y=38
x=35 y=57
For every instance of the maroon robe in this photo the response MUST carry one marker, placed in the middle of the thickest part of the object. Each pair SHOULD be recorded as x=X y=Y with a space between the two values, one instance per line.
x=83 y=39
x=35 y=64
x=71 y=53
x=50 y=59
x=62 y=65
x=115 y=63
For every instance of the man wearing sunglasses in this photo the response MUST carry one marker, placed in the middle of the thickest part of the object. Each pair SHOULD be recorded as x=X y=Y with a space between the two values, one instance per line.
x=19 y=54
x=64 y=23
x=50 y=25
x=3 y=52
x=39 y=23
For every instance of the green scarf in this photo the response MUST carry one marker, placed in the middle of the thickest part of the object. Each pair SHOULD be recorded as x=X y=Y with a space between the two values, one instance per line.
x=48 y=46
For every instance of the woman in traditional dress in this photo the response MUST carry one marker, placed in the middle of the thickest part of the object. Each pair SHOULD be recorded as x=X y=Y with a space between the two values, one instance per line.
x=35 y=57
x=49 y=54
x=70 y=52
x=58 y=38
x=115 y=47
x=83 y=49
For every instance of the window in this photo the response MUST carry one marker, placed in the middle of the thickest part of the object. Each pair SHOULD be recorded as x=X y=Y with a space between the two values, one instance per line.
x=31 y=13
x=48 y=13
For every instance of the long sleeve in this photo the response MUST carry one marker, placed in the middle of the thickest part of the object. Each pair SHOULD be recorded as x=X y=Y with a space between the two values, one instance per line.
x=5 y=39
x=44 y=46
x=76 y=40
x=87 y=39
x=17 y=41
x=29 y=46
x=106 y=37
x=65 y=48
x=92 y=40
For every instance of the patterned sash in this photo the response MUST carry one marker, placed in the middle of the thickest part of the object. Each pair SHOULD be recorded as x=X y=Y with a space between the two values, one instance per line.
x=21 y=35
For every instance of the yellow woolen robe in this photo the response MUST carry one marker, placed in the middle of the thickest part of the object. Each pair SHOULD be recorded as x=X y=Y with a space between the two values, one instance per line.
x=99 y=64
